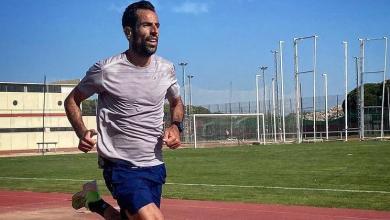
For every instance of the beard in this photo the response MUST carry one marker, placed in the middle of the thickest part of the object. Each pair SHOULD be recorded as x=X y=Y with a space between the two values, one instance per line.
x=142 y=48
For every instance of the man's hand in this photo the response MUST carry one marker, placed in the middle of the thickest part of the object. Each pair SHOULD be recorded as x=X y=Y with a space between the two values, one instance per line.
x=172 y=137
x=87 y=143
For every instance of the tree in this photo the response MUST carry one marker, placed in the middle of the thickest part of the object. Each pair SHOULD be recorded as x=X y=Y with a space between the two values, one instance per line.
x=372 y=96
x=89 y=107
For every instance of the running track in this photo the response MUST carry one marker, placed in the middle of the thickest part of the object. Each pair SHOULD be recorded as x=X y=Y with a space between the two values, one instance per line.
x=44 y=206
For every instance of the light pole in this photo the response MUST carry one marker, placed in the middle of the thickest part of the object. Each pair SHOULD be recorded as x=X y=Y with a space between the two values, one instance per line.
x=282 y=88
x=358 y=92
x=257 y=107
x=275 y=54
x=190 y=94
x=346 y=89
x=183 y=66
x=326 y=105
x=190 y=102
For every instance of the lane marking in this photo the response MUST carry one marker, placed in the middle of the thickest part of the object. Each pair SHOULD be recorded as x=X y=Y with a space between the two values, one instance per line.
x=280 y=187
x=212 y=185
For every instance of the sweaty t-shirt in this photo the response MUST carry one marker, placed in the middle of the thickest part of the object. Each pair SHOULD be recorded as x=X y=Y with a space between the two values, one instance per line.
x=130 y=107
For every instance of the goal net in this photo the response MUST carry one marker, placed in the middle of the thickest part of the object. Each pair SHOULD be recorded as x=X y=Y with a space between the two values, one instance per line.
x=227 y=129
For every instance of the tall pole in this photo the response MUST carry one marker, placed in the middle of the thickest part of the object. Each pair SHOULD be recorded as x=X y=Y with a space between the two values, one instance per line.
x=257 y=108
x=43 y=115
x=346 y=89
x=275 y=53
x=383 y=89
x=282 y=88
x=358 y=93
x=361 y=89
x=326 y=105
x=185 y=120
x=297 y=92
x=190 y=94
x=274 y=107
x=314 y=86
x=190 y=102
x=183 y=66
x=263 y=68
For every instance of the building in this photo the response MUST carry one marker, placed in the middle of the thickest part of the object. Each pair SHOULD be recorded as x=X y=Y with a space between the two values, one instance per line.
x=32 y=114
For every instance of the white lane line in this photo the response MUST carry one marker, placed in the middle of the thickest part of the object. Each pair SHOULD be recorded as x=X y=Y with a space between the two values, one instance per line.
x=212 y=185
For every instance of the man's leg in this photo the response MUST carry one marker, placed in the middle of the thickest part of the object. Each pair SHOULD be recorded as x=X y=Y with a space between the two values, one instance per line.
x=138 y=191
x=148 y=212
x=90 y=198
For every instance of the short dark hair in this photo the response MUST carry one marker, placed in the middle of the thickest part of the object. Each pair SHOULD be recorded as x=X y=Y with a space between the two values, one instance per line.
x=129 y=17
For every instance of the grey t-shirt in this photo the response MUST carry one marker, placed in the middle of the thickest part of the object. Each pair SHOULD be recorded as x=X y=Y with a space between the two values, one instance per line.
x=130 y=107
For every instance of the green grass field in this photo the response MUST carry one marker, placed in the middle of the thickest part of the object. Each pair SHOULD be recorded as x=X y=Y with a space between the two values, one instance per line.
x=332 y=174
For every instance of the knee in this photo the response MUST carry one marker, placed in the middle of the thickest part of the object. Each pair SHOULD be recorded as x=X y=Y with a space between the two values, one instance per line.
x=148 y=212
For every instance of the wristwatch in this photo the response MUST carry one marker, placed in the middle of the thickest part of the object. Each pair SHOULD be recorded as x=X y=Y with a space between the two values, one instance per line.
x=179 y=125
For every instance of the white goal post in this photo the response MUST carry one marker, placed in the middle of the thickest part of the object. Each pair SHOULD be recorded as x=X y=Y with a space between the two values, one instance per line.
x=258 y=115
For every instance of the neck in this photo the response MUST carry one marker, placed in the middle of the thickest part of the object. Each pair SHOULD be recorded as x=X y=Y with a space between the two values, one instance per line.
x=137 y=59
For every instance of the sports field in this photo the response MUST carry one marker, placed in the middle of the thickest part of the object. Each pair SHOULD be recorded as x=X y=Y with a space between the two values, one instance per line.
x=330 y=174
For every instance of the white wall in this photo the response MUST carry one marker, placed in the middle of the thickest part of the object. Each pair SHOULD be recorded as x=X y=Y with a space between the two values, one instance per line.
x=29 y=140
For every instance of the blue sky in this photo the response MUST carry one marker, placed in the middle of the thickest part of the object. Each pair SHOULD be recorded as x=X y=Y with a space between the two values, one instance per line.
x=222 y=40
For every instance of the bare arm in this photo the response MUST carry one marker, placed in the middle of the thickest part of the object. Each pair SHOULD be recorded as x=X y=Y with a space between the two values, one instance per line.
x=172 y=134
x=177 y=109
x=73 y=112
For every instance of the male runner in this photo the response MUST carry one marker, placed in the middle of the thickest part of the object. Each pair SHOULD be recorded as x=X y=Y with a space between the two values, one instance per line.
x=131 y=87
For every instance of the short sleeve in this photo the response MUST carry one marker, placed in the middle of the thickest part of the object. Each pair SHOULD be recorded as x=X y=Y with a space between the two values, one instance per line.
x=174 y=88
x=92 y=81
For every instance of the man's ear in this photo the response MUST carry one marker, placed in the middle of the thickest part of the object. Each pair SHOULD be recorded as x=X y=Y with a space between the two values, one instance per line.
x=128 y=32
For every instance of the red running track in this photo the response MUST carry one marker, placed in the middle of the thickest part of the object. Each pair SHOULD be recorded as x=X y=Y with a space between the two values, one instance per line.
x=32 y=205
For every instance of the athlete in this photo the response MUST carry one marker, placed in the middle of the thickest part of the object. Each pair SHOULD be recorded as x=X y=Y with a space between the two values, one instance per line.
x=132 y=87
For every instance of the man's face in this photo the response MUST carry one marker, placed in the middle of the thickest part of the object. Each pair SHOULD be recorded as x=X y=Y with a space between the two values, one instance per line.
x=145 y=35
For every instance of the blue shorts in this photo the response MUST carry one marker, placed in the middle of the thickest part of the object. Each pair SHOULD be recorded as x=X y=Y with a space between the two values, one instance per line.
x=134 y=187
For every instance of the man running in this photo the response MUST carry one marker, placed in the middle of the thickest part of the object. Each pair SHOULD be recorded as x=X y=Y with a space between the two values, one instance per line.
x=132 y=87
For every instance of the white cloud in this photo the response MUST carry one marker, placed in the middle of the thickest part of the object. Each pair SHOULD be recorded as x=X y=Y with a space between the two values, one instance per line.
x=191 y=8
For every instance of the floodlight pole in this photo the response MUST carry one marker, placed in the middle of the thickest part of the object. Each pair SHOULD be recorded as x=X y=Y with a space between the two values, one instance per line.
x=190 y=93
x=314 y=86
x=282 y=88
x=257 y=107
x=383 y=90
x=274 y=107
x=190 y=101
x=358 y=92
x=361 y=89
x=326 y=105
x=263 y=68
x=346 y=89
x=183 y=66
x=43 y=115
x=276 y=89
x=297 y=97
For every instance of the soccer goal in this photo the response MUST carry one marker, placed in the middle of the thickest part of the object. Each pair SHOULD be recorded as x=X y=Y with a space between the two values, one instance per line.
x=228 y=129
